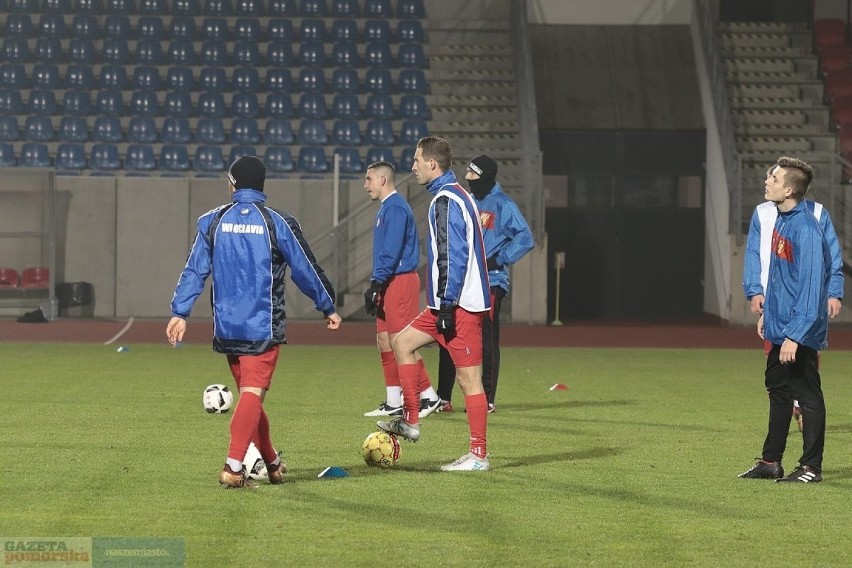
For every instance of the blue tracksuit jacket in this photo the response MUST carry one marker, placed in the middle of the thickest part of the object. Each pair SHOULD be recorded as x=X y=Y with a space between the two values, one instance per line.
x=505 y=232
x=396 y=244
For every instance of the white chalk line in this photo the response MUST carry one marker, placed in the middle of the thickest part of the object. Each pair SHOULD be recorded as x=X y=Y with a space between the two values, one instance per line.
x=118 y=335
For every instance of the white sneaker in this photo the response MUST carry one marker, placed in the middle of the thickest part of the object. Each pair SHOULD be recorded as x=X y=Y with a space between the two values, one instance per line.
x=468 y=462
x=427 y=407
x=400 y=427
x=385 y=409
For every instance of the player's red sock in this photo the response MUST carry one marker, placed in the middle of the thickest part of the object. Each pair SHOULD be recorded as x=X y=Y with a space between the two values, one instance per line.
x=476 y=406
x=409 y=376
x=389 y=369
x=263 y=440
x=244 y=425
x=425 y=383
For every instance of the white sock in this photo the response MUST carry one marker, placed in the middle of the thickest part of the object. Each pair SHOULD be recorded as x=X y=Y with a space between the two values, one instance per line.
x=429 y=394
x=234 y=465
x=276 y=461
x=394 y=396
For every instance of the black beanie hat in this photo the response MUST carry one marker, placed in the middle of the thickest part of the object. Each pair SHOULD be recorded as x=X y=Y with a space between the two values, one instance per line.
x=247 y=172
x=485 y=167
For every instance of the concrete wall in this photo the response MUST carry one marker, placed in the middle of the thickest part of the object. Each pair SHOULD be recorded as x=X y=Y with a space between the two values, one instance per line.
x=610 y=12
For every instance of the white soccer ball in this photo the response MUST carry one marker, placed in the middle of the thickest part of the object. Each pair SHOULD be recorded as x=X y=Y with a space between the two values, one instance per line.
x=217 y=399
x=254 y=464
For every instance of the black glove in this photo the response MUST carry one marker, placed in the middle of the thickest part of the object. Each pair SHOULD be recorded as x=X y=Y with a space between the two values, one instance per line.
x=446 y=323
x=491 y=263
x=371 y=298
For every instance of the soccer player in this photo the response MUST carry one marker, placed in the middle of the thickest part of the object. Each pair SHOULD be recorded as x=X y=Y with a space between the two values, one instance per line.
x=795 y=322
x=247 y=247
x=394 y=293
x=457 y=298
x=507 y=239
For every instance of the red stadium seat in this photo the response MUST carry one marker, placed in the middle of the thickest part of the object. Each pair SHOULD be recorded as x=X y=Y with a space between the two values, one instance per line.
x=35 y=277
x=8 y=278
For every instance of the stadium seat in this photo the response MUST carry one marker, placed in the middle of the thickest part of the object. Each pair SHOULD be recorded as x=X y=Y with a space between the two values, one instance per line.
x=377 y=9
x=77 y=103
x=411 y=55
x=7 y=155
x=313 y=8
x=346 y=106
x=413 y=107
x=345 y=29
x=345 y=81
x=209 y=159
x=245 y=79
x=105 y=156
x=377 y=31
x=345 y=54
x=245 y=105
x=142 y=130
x=378 y=81
x=183 y=28
x=174 y=158
x=42 y=101
x=118 y=27
x=245 y=131
x=181 y=52
x=282 y=9
x=9 y=278
x=9 y=131
x=146 y=78
x=312 y=80
x=834 y=58
x=279 y=80
x=107 y=129
x=186 y=7
x=312 y=159
x=378 y=54
x=35 y=277
x=180 y=78
x=70 y=156
x=413 y=81
x=20 y=25
x=279 y=105
x=249 y=8
x=248 y=29
x=410 y=31
x=379 y=154
x=838 y=85
x=349 y=160
x=411 y=9
x=210 y=131
x=56 y=6
x=380 y=133
x=176 y=130
x=215 y=54
x=312 y=105
x=279 y=54
x=109 y=103
x=213 y=79
x=10 y=102
x=278 y=159
x=52 y=25
x=278 y=132
x=241 y=150
x=140 y=157
x=153 y=7
x=215 y=29
x=406 y=160
x=38 y=129
x=313 y=132
x=116 y=52
x=841 y=112
x=411 y=131
x=113 y=77
x=312 y=29
x=211 y=104
x=219 y=8
x=13 y=76
x=346 y=133
x=148 y=52
x=35 y=155
x=280 y=29
x=828 y=31
x=15 y=50
x=151 y=27
x=345 y=9
x=46 y=76
x=85 y=26
x=49 y=49
x=312 y=54
x=73 y=129
x=178 y=104
x=121 y=7
x=247 y=54
x=79 y=76
x=144 y=103
x=379 y=106
x=81 y=50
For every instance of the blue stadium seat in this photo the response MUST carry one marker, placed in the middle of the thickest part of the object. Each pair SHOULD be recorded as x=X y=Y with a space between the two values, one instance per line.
x=245 y=105
x=279 y=54
x=78 y=76
x=312 y=80
x=35 y=155
x=77 y=103
x=220 y=8
x=377 y=9
x=186 y=7
x=105 y=156
x=113 y=77
x=215 y=54
x=46 y=76
x=345 y=29
x=279 y=80
x=38 y=129
x=410 y=31
x=411 y=131
x=380 y=154
x=85 y=26
x=413 y=107
x=174 y=158
x=210 y=131
x=411 y=55
x=377 y=30
x=245 y=79
x=150 y=27
x=142 y=130
x=411 y=9
x=406 y=160
x=49 y=49
x=380 y=133
x=9 y=131
x=73 y=129
x=82 y=50
x=378 y=54
x=20 y=25
x=56 y=6
x=140 y=157
x=107 y=129
x=248 y=29
x=42 y=101
x=153 y=7
x=349 y=160
x=215 y=29
x=379 y=106
x=346 y=106
x=213 y=79
x=7 y=155
x=313 y=8
x=211 y=104
x=109 y=102
x=148 y=52
x=278 y=132
x=278 y=159
x=280 y=29
x=346 y=133
x=345 y=54
x=245 y=131
x=70 y=156
x=378 y=81
x=13 y=76
x=413 y=81
x=241 y=150
x=279 y=105
x=181 y=52
x=146 y=78
x=23 y=6
x=345 y=9
x=313 y=132
x=312 y=159
x=183 y=28
x=208 y=159
x=121 y=7
x=247 y=54
x=116 y=52
x=144 y=103
x=180 y=78
x=282 y=8
x=15 y=50
x=176 y=130
x=52 y=25
x=312 y=29
x=312 y=105
x=249 y=8
x=10 y=102
x=345 y=81
x=118 y=27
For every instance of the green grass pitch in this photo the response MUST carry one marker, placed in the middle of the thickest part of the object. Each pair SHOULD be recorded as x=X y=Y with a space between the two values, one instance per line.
x=635 y=465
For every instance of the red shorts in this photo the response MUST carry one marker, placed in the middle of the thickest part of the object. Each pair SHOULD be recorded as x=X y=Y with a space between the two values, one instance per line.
x=254 y=370
x=399 y=304
x=465 y=347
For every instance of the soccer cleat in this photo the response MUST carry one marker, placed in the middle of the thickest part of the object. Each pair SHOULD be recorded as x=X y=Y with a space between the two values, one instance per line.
x=802 y=474
x=276 y=474
x=468 y=462
x=797 y=414
x=385 y=409
x=230 y=480
x=427 y=407
x=764 y=470
x=400 y=427
x=446 y=406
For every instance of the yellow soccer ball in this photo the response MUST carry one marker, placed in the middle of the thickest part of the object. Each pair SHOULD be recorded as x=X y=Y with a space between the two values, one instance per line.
x=380 y=449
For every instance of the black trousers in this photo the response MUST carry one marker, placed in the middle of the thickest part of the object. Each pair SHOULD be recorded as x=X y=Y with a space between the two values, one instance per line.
x=799 y=381
x=490 y=354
